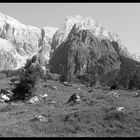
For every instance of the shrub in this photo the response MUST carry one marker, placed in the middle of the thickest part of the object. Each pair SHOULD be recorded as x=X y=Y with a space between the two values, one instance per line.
x=87 y=79
x=11 y=73
x=62 y=78
x=2 y=76
x=8 y=73
x=53 y=76
x=25 y=88
x=28 y=80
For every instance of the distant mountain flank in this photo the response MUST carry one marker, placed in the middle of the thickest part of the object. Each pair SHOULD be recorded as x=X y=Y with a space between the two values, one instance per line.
x=23 y=41
x=19 y=42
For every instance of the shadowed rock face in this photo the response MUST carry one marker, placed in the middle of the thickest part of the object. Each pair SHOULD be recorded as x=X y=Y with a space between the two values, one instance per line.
x=83 y=53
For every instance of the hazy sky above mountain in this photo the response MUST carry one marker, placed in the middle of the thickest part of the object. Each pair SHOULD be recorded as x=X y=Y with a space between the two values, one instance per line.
x=121 y=18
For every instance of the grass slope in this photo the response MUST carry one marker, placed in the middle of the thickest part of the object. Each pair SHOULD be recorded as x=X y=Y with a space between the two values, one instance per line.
x=92 y=117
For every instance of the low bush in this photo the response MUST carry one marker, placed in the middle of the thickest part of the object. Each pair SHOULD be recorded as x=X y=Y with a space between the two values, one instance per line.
x=11 y=73
x=53 y=76
x=26 y=88
x=2 y=76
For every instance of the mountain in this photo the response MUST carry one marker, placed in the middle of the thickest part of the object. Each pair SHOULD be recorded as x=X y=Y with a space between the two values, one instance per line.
x=91 y=25
x=18 y=42
x=84 y=49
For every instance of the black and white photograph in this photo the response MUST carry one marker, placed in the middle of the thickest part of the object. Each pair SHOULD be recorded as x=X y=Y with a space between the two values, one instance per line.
x=69 y=70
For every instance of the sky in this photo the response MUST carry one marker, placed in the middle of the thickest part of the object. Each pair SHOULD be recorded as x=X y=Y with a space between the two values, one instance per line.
x=121 y=18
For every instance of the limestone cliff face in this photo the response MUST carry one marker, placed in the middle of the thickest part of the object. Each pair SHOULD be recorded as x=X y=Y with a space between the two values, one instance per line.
x=23 y=41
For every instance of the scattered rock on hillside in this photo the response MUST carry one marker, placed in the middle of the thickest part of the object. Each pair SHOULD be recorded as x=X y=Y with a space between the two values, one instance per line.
x=79 y=89
x=75 y=98
x=43 y=96
x=37 y=98
x=120 y=109
x=5 y=97
x=41 y=118
x=33 y=100
x=113 y=94
x=6 y=94
x=137 y=94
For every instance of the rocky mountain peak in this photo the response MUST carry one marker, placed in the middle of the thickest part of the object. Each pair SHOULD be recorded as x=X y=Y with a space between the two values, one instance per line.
x=82 y=23
x=88 y=23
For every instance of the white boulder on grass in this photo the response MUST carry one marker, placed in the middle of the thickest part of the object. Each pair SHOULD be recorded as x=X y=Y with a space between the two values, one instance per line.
x=36 y=99
x=120 y=109
x=33 y=100
x=74 y=98
x=41 y=118
x=5 y=97
x=113 y=94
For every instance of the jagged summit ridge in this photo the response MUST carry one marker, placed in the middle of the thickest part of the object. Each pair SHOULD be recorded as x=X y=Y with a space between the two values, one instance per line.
x=82 y=23
x=88 y=23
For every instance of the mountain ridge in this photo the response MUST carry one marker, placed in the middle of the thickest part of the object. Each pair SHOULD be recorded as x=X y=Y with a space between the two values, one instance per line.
x=25 y=41
x=94 y=27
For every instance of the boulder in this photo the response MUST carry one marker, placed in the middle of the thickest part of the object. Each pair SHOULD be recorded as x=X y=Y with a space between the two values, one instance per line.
x=43 y=96
x=37 y=98
x=6 y=92
x=137 y=94
x=41 y=118
x=120 y=109
x=75 y=98
x=5 y=97
x=33 y=100
x=79 y=89
x=113 y=94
